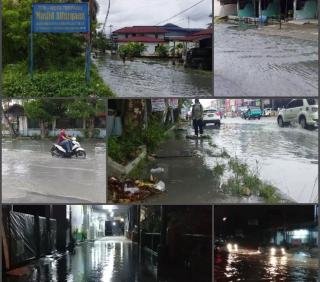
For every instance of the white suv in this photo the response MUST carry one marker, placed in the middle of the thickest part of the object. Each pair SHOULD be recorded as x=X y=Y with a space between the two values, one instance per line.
x=211 y=116
x=303 y=111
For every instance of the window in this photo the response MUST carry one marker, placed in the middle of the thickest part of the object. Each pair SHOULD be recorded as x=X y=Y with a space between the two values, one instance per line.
x=299 y=103
x=156 y=35
x=291 y=104
x=312 y=101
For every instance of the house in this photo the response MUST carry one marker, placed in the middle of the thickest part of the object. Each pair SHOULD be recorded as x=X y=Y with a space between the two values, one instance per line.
x=150 y=36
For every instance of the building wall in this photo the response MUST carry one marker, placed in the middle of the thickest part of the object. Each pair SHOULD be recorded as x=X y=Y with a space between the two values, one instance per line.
x=224 y=10
x=150 y=48
x=25 y=131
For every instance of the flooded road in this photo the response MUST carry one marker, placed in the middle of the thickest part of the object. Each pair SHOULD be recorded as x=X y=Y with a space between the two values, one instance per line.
x=30 y=174
x=146 y=77
x=284 y=157
x=250 y=64
x=110 y=259
x=298 y=266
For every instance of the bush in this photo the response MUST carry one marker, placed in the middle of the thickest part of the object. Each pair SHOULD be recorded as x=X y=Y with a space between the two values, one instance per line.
x=52 y=83
x=131 y=50
x=125 y=148
x=162 y=51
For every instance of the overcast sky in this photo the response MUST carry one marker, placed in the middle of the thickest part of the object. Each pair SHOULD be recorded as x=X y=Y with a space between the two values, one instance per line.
x=151 y=12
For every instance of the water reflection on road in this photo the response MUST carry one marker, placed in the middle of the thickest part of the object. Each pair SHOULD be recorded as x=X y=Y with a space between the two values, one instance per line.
x=243 y=266
x=110 y=259
x=145 y=77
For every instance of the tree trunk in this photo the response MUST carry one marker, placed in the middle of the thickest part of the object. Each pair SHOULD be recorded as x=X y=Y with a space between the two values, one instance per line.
x=42 y=129
x=91 y=127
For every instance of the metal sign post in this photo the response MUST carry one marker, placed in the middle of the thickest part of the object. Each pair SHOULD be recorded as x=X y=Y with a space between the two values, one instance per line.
x=31 y=53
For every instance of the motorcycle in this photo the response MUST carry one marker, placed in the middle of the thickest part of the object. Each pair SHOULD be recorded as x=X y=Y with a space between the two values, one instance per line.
x=77 y=150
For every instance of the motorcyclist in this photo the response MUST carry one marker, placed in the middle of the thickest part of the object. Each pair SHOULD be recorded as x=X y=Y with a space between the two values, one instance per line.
x=64 y=141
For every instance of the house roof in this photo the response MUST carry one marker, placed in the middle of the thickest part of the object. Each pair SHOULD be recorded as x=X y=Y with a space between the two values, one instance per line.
x=197 y=36
x=143 y=39
x=141 y=29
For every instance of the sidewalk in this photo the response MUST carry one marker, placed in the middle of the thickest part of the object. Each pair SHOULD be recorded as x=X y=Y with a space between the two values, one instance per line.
x=187 y=178
x=297 y=30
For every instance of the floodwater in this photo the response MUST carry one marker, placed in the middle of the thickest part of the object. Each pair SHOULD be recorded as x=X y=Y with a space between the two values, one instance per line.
x=284 y=157
x=110 y=259
x=31 y=175
x=147 y=77
x=299 y=266
x=251 y=64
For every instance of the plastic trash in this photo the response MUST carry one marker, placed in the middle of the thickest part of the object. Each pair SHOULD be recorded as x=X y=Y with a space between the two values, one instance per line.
x=160 y=186
x=157 y=170
x=131 y=190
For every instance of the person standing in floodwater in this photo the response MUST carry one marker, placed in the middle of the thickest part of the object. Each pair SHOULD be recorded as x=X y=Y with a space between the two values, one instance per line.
x=197 y=118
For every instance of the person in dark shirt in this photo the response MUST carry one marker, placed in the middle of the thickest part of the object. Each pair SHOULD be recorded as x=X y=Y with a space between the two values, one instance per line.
x=64 y=141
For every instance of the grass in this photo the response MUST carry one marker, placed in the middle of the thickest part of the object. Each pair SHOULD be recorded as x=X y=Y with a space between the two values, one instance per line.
x=219 y=169
x=246 y=183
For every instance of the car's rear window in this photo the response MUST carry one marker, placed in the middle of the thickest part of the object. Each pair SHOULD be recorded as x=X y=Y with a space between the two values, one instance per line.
x=312 y=101
x=210 y=111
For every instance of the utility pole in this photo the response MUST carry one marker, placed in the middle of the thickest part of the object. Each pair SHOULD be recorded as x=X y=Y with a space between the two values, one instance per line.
x=110 y=26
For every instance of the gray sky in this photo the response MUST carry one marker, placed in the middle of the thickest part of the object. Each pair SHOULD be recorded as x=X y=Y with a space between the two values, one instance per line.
x=151 y=12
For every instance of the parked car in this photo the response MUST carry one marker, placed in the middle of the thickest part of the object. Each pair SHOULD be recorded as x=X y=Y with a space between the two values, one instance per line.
x=211 y=116
x=199 y=58
x=267 y=112
x=302 y=111
x=252 y=113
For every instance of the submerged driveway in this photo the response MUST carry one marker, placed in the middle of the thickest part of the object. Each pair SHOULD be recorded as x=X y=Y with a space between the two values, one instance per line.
x=146 y=77
x=247 y=63
x=31 y=175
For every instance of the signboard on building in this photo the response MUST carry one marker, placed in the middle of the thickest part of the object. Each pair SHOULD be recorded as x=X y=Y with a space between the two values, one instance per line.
x=158 y=104
x=60 y=18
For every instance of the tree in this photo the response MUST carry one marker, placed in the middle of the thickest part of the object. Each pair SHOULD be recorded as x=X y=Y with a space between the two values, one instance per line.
x=85 y=110
x=162 y=51
x=101 y=42
x=177 y=50
x=39 y=110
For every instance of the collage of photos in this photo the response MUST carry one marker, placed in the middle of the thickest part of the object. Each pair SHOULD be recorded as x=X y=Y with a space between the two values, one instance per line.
x=160 y=140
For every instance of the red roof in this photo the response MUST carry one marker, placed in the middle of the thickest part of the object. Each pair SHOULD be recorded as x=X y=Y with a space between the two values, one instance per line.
x=140 y=29
x=197 y=36
x=143 y=39
x=207 y=31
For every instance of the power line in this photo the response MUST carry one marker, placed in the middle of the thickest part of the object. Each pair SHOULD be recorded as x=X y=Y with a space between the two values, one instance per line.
x=105 y=20
x=183 y=11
